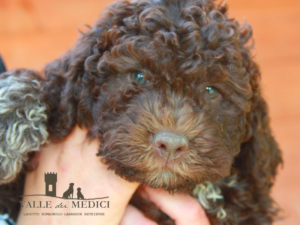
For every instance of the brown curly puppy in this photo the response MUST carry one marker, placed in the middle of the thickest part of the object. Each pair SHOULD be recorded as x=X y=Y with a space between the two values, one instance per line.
x=170 y=89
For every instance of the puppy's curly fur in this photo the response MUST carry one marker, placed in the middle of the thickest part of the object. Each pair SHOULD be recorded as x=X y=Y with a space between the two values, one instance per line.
x=22 y=120
x=181 y=47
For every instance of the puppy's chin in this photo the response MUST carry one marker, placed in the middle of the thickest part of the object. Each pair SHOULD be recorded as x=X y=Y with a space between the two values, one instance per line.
x=170 y=177
x=182 y=174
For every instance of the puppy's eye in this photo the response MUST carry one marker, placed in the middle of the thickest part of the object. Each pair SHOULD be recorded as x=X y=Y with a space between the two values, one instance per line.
x=139 y=78
x=213 y=93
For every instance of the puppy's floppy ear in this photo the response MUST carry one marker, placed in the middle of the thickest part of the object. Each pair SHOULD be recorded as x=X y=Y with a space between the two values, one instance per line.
x=22 y=120
x=64 y=88
x=260 y=155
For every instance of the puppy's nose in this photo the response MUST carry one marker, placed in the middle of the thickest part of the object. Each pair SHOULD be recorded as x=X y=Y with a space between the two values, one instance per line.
x=170 y=145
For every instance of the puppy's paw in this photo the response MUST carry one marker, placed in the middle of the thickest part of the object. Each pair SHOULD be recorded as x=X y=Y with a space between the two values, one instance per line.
x=22 y=120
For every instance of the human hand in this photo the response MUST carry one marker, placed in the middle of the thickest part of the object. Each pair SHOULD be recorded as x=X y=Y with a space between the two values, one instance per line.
x=74 y=160
x=182 y=208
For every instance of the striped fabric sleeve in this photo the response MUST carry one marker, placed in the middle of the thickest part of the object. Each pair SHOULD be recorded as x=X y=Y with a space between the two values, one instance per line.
x=2 y=66
x=5 y=220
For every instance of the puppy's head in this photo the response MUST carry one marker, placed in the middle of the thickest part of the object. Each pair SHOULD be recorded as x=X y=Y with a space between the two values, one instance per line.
x=171 y=91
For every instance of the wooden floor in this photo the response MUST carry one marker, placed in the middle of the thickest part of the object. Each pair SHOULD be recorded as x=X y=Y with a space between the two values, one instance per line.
x=33 y=32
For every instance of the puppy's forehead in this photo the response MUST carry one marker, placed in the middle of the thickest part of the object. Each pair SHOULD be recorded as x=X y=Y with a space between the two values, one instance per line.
x=163 y=54
x=174 y=37
x=192 y=42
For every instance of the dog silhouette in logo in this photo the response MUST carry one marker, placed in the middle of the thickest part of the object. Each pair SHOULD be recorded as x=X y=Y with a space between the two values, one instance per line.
x=69 y=192
x=79 y=194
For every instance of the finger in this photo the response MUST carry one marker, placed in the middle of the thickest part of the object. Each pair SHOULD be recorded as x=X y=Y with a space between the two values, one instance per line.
x=78 y=136
x=182 y=208
x=133 y=216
